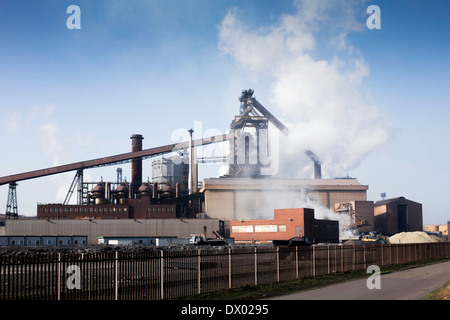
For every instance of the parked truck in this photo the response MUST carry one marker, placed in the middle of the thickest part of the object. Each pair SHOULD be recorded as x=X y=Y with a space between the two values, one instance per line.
x=201 y=240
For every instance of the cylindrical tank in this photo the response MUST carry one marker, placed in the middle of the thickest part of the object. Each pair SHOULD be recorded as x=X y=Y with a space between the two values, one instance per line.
x=166 y=191
x=121 y=193
x=145 y=190
x=98 y=193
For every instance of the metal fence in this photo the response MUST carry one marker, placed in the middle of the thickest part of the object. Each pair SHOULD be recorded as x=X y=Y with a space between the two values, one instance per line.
x=170 y=273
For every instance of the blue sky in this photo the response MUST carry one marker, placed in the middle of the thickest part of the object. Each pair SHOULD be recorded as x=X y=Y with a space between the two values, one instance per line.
x=153 y=67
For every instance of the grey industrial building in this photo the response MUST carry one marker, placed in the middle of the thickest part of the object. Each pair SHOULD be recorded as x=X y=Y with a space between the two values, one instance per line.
x=246 y=198
x=181 y=228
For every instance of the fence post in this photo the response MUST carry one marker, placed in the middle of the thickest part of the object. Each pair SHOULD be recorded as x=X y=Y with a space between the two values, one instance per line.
x=354 y=257
x=198 y=270
x=296 y=262
x=59 y=276
x=256 y=267
x=116 y=270
x=328 y=257
x=278 y=264
x=364 y=256
x=313 y=261
x=162 y=274
x=229 y=268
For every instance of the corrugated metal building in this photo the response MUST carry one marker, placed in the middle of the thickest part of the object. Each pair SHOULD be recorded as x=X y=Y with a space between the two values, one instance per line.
x=396 y=215
x=246 y=198
x=92 y=228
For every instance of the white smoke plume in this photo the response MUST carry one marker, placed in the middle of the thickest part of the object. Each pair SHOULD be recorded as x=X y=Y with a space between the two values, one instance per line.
x=317 y=83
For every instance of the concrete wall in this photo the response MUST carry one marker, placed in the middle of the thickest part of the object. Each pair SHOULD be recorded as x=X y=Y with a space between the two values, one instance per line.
x=181 y=228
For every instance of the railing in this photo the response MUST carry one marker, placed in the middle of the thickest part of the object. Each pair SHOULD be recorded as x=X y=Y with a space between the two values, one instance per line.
x=129 y=273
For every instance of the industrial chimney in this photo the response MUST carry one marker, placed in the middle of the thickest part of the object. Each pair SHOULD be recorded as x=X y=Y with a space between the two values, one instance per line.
x=317 y=165
x=136 y=164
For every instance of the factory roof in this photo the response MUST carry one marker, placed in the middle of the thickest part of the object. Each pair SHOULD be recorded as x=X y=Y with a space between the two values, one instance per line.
x=388 y=201
x=276 y=183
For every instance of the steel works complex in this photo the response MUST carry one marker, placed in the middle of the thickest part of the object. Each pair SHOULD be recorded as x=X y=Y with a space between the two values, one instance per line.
x=245 y=204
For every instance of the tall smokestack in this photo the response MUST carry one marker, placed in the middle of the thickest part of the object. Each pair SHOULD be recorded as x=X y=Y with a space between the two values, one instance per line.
x=190 y=178
x=317 y=165
x=136 y=164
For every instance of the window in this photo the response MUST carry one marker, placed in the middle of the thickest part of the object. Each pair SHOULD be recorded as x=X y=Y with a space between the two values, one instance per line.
x=282 y=228
x=266 y=228
x=239 y=229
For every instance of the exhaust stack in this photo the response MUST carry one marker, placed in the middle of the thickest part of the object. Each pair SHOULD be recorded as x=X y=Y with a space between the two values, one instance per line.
x=136 y=164
x=317 y=165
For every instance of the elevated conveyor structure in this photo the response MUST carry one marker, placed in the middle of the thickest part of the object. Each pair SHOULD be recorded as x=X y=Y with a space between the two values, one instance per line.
x=111 y=160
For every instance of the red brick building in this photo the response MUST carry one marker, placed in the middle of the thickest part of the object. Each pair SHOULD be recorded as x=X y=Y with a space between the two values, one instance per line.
x=140 y=208
x=287 y=224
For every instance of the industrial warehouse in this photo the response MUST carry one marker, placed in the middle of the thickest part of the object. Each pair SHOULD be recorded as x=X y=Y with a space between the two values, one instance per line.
x=244 y=204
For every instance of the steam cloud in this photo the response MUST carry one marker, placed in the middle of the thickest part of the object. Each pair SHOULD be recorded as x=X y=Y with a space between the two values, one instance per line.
x=316 y=89
x=317 y=83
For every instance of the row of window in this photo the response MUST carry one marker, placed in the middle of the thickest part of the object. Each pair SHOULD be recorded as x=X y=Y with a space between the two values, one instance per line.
x=160 y=209
x=36 y=242
x=259 y=228
x=85 y=210
x=103 y=210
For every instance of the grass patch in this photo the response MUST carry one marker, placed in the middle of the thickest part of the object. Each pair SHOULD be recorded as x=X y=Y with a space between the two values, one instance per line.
x=287 y=287
x=442 y=293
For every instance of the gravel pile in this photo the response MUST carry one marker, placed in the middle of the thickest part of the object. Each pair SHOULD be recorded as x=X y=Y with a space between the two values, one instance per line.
x=413 y=237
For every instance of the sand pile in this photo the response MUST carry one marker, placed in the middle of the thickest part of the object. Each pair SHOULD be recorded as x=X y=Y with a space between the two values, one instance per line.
x=413 y=237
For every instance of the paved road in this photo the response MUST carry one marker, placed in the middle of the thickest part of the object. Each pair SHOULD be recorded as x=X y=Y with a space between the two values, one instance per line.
x=412 y=284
